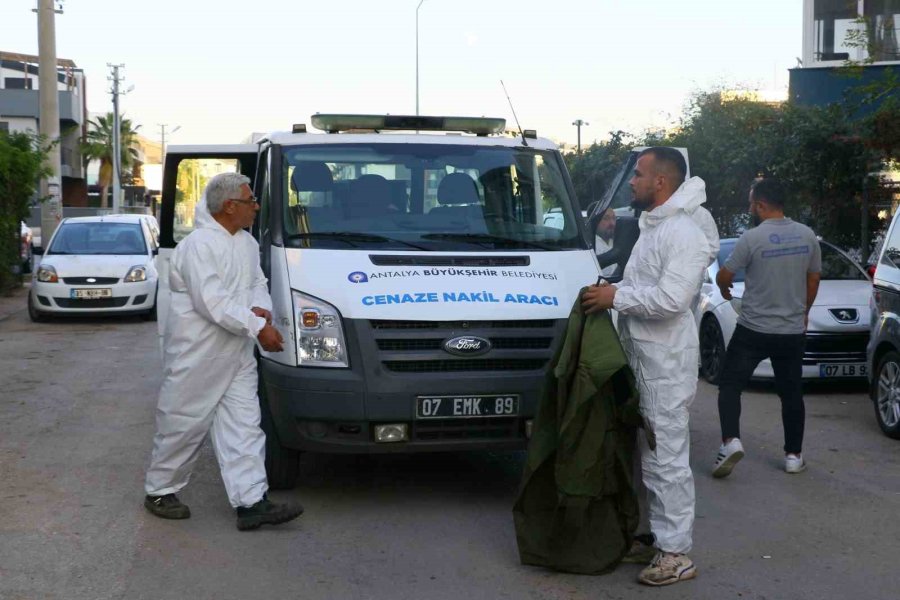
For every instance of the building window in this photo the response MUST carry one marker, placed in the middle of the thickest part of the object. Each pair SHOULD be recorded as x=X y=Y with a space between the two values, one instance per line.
x=833 y=20
x=17 y=83
x=883 y=23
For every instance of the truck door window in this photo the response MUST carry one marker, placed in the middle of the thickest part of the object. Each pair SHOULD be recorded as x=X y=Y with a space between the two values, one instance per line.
x=193 y=175
x=623 y=195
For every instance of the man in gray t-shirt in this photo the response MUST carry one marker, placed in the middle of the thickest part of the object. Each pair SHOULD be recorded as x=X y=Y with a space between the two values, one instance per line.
x=782 y=261
x=776 y=255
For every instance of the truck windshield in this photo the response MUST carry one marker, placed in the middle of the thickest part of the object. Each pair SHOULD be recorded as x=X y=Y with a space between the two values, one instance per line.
x=437 y=197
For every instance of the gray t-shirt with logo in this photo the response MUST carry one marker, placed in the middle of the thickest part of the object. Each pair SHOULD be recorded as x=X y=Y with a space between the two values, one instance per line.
x=776 y=255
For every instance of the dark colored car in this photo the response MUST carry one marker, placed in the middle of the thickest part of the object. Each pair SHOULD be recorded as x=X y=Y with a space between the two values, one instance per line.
x=884 y=343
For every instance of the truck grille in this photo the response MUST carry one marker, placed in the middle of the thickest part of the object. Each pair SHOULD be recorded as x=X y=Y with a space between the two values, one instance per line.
x=464 y=325
x=466 y=364
x=835 y=348
x=504 y=343
x=417 y=346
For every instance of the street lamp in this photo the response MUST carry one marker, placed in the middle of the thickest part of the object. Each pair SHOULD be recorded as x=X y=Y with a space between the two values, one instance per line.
x=421 y=2
x=579 y=124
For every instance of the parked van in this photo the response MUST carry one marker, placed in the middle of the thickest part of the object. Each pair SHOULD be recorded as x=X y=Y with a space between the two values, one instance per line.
x=415 y=276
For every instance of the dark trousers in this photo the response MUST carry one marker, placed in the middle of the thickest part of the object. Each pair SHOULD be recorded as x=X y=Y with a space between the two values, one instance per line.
x=746 y=350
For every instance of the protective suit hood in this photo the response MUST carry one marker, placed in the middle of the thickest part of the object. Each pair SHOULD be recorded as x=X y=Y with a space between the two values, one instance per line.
x=203 y=219
x=687 y=198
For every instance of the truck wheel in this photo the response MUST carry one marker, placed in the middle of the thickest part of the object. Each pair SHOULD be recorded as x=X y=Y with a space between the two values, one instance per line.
x=282 y=464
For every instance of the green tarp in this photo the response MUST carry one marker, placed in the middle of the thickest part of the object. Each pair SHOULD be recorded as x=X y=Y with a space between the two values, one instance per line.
x=577 y=510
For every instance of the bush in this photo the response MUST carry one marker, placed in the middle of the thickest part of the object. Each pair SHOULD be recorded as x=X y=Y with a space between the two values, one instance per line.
x=22 y=164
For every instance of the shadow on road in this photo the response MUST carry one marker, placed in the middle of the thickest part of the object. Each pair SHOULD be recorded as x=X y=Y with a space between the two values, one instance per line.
x=487 y=473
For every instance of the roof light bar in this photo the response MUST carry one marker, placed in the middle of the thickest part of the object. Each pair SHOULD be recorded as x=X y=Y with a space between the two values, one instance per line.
x=299 y=128
x=332 y=123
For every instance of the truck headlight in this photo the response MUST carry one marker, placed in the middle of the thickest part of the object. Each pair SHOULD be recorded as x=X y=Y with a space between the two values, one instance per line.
x=47 y=274
x=320 y=335
x=136 y=273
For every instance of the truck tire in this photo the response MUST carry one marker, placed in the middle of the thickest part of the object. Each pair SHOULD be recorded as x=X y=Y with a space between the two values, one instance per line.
x=282 y=464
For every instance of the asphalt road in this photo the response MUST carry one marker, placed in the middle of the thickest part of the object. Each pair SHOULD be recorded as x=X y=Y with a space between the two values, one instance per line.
x=77 y=401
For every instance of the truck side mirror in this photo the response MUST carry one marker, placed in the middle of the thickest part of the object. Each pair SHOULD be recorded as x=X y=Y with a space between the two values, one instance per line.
x=37 y=250
x=624 y=239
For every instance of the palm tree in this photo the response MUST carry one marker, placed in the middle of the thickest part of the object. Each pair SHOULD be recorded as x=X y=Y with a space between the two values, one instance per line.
x=98 y=145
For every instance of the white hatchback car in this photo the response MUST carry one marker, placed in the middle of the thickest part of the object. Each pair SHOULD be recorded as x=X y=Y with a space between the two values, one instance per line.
x=838 y=322
x=97 y=265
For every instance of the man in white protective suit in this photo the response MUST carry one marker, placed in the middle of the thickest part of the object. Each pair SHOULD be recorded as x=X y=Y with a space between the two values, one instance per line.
x=219 y=305
x=657 y=329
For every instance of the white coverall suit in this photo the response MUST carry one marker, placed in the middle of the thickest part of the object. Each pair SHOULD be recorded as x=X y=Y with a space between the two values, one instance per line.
x=659 y=335
x=210 y=372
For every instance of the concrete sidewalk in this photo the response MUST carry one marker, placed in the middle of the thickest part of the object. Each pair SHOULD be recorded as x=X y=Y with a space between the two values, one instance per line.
x=14 y=301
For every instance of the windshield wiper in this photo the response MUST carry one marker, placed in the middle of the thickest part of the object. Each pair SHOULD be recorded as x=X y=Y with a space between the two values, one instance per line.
x=486 y=238
x=350 y=237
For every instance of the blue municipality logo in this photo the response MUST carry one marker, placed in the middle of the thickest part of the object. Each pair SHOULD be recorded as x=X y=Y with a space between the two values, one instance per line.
x=358 y=277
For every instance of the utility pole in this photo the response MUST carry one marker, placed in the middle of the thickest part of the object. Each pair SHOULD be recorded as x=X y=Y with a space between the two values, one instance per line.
x=579 y=124
x=417 y=55
x=117 y=152
x=51 y=208
x=162 y=135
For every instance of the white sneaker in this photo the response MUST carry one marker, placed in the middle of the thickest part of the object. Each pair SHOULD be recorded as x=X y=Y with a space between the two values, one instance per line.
x=668 y=568
x=729 y=455
x=794 y=463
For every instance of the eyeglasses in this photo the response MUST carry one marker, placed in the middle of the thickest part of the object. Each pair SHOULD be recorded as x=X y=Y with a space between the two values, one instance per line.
x=251 y=200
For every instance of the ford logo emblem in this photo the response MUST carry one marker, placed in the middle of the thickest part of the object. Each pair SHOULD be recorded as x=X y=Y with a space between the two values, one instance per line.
x=467 y=345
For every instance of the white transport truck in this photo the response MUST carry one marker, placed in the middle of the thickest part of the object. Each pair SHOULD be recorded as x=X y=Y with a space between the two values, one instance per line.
x=420 y=293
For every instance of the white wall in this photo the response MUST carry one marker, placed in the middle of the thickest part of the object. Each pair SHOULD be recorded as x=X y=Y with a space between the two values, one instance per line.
x=20 y=124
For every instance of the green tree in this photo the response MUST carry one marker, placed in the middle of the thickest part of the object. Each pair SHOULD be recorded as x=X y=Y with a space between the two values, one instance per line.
x=821 y=153
x=22 y=164
x=98 y=145
x=593 y=170
x=876 y=37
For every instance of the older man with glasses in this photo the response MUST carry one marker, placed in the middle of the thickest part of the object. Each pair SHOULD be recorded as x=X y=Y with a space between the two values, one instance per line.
x=219 y=306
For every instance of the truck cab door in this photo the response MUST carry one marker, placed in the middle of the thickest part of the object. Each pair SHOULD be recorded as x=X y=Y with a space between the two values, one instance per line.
x=186 y=172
